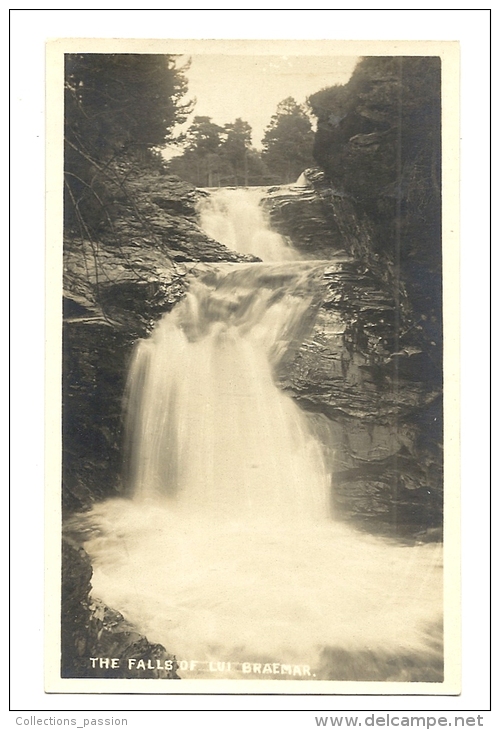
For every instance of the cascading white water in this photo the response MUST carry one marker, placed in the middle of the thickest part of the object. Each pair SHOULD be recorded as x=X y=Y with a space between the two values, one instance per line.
x=235 y=218
x=226 y=550
x=207 y=425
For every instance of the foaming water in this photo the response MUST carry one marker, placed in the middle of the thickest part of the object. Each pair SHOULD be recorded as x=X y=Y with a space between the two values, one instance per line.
x=235 y=218
x=226 y=549
x=266 y=590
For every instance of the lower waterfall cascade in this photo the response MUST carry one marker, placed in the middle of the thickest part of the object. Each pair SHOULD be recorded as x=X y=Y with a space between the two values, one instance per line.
x=225 y=548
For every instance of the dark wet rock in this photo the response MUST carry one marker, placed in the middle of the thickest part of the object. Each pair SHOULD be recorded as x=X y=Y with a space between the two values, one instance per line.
x=306 y=220
x=112 y=297
x=353 y=361
x=322 y=222
x=96 y=356
x=378 y=140
x=367 y=367
x=124 y=287
x=90 y=629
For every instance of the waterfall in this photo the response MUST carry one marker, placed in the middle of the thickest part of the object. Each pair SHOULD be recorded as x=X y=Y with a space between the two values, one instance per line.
x=225 y=549
x=207 y=425
x=235 y=218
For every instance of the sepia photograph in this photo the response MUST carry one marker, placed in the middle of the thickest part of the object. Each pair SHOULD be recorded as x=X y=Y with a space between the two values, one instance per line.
x=255 y=484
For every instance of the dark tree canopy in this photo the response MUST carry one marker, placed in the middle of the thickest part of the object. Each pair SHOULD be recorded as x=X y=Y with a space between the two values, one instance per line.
x=204 y=136
x=215 y=155
x=114 y=101
x=117 y=107
x=288 y=141
x=372 y=129
x=236 y=147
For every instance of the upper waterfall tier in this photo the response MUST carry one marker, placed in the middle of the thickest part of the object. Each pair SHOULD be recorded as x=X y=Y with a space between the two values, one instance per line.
x=235 y=218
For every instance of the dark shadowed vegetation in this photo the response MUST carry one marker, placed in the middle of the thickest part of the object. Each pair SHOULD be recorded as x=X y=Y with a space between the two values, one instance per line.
x=379 y=141
x=119 y=110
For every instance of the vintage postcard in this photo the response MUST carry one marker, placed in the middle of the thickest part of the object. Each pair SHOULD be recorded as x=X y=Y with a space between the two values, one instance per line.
x=252 y=367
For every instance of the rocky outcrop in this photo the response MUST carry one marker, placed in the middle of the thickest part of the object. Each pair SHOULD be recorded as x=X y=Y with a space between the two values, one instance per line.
x=306 y=219
x=371 y=363
x=91 y=630
x=368 y=368
x=321 y=221
x=378 y=140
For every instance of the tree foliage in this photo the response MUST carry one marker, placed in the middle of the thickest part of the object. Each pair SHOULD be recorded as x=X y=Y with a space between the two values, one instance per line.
x=235 y=149
x=215 y=155
x=203 y=137
x=288 y=141
x=118 y=107
x=372 y=130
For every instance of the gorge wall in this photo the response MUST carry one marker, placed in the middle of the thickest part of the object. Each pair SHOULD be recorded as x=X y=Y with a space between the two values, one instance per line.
x=368 y=365
x=379 y=142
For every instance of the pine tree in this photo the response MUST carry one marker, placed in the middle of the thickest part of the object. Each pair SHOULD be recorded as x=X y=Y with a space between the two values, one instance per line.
x=118 y=107
x=288 y=142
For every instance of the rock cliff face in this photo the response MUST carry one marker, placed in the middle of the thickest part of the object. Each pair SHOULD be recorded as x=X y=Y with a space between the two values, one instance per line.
x=379 y=142
x=306 y=218
x=371 y=364
x=365 y=369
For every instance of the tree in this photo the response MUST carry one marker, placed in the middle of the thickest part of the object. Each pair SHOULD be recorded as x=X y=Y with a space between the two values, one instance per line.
x=288 y=141
x=215 y=155
x=201 y=159
x=115 y=101
x=117 y=107
x=204 y=136
x=200 y=163
x=236 y=147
